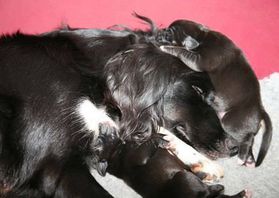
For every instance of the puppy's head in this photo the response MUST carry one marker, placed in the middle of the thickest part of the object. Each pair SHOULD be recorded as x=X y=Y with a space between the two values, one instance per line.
x=195 y=43
x=194 y=121
x=187 y=33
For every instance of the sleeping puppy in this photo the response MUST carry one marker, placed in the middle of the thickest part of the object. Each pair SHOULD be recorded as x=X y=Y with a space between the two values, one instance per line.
x=236 y=95
x=153 y=172
x=60 y=113
x=152 y=89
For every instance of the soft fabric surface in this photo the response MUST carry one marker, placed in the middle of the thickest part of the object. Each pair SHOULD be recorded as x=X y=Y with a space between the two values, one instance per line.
x=262 y=181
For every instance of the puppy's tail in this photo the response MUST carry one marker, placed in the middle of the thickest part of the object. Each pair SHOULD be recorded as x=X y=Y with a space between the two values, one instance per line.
x=153 y=26
x=267 y=136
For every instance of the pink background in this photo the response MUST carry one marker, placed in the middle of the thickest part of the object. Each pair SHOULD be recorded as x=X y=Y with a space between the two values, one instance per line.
x=252 y=24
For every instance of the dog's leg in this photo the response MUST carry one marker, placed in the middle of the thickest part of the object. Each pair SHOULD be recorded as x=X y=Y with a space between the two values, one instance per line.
x=188 y=58
x=77 y=181
x=103 y=129
x=189 y=156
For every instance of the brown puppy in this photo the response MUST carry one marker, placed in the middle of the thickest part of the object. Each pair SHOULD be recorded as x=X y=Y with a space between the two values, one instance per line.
x=236 y=97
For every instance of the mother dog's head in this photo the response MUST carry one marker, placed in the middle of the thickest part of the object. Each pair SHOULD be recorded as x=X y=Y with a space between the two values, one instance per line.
x=155 y=89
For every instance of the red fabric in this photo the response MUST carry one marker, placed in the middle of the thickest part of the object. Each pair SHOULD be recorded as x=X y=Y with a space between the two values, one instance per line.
x=251 y=24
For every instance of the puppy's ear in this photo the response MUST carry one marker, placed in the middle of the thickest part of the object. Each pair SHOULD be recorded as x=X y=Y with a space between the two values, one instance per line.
x=190 y=43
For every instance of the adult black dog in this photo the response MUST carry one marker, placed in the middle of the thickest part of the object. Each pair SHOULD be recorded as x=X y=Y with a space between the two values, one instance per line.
x=38 y=126
x=60 y=113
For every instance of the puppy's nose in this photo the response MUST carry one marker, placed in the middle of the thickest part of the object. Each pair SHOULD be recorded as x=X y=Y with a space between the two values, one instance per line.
x=232 y=146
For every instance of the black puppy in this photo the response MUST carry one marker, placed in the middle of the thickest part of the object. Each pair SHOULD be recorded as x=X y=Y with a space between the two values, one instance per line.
x=236 y=95
x=60 y=113
x=153 y=172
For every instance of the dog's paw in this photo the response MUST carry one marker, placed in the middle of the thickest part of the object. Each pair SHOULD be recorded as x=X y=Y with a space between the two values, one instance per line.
x=213 y=172
x=192 y=158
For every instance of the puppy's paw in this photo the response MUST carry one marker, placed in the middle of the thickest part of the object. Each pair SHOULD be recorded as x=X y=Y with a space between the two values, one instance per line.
x=248 y=161
x=249 y=164
x=247 y=194
x=243 y=194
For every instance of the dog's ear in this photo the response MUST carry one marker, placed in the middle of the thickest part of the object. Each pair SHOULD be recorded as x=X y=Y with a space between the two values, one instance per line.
x=190 y=43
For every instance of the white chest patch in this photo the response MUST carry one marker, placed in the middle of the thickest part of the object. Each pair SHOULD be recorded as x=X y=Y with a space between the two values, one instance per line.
x=92 y=116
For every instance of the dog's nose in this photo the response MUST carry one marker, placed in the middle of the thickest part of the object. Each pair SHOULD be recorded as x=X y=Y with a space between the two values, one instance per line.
x=232 y=146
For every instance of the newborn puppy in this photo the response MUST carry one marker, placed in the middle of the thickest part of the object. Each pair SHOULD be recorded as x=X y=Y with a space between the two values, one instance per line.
x=236 y=96
x=153 y=172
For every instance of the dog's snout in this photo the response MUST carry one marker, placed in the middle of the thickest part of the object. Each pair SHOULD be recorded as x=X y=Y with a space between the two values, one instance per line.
x=232 y=146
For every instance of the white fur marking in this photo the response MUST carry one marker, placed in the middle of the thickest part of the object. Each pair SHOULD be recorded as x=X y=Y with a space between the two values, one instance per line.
x=93 y=116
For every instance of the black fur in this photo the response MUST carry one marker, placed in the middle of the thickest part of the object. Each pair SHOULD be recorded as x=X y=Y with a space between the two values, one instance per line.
x=154 y=89
x=53 y=71
x=236 y=89
x=41 y=79
x=154 y=173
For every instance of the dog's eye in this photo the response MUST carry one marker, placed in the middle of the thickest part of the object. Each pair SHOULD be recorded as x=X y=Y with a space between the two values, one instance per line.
x=181 y=128
x=182 y=132
x=198 y=90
